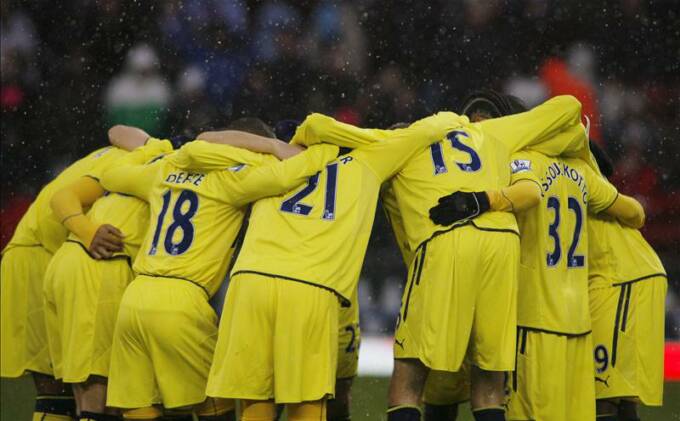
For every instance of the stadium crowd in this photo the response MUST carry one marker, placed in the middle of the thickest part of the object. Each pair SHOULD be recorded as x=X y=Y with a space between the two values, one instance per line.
x=185 y=66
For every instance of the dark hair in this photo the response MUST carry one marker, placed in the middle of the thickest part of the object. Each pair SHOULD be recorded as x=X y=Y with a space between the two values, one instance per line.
x=252 y=125
x=603 y=160
x=285 y=129
x=492 y=103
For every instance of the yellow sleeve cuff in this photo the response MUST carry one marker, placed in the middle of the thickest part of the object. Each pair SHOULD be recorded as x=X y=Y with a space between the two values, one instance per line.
x=523 y=195
x=83 y=228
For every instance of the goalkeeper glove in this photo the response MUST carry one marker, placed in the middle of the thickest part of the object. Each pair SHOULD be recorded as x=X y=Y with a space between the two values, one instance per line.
x=459 y=206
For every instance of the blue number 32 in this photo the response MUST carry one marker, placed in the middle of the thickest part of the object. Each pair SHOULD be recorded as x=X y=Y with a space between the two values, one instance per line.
x=180 y=220
x=438 y=155
x=573 y=260
x=294 y=205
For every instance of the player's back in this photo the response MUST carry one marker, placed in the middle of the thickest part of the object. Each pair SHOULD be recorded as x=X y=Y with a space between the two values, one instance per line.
x=192 y=226
x=619 y=253
x=467 y=159
x=317 y=233
x=553 y=282
x=39 y=225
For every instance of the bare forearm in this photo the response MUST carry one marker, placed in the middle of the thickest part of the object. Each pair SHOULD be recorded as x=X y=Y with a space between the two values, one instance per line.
x=251 y=142
x=127 y=137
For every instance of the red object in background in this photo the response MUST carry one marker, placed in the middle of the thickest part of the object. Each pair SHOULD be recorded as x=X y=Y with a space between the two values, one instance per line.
x=672 y=361
x=11 y=96
x=348 y=115
x=556 y=76
x=10 y=215
x=635 y=178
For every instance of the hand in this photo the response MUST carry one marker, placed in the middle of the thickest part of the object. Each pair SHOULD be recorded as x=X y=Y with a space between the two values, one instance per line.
x=459 y=206
x=283 y=150
x=107 y=240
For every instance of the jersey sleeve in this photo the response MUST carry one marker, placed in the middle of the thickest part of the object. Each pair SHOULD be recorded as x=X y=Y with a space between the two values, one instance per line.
x=319 y=128
x=389 y=157
x=132 y=178
x=153 y=147
x=538 y=128
x=522 y=167
x=202 y=155
x=601 y=193
x=68 y=203
x=278 y=178
x=391 y=208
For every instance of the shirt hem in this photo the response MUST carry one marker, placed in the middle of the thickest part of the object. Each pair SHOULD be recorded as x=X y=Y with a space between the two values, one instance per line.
x=343 y=300
x=471 y=223
x=553 y=332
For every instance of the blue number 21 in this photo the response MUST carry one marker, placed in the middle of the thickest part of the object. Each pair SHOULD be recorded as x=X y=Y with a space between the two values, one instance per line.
x=438 y=155
x=180 y=220
x=573 y=260
x=293 y=204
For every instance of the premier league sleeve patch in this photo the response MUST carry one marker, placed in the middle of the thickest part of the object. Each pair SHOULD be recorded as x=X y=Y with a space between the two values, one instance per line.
x=520 y=165
x=237 y=168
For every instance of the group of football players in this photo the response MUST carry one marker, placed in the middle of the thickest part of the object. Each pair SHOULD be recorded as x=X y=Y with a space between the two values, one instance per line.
x=530 y=291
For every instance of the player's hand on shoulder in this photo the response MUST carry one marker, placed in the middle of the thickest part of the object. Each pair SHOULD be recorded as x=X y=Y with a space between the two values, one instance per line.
x=459 y=206
x=106 y=241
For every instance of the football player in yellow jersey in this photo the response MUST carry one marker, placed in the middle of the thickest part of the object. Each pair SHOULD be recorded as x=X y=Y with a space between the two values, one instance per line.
x=23 y=336
x=552 y=378
x=83 y=288
x=300 y=259
x=628 y=284
x=349 y=331
x=438 y=312
x=166 y=331
x=443 y=390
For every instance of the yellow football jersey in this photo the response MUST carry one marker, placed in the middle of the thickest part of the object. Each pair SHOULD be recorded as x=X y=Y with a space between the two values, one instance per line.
x=468 y=157
x=553 y=280
x=196 y=213
x=39 y=226
x=318 y=233
x=127 y=213
x=619 y=253
x=391 y=207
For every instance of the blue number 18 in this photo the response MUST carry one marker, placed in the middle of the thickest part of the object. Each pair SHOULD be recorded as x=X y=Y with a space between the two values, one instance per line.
x=180 y=220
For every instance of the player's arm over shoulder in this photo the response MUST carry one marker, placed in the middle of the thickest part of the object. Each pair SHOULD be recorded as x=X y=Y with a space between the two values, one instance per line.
x=390 y=156
x=539 y=127
x=277 y=178
x=603 y=197
x=127 y=137
x=133 y=179
x=207 y=156
x=68 y=205
x=251 y=142
x=319 y=128
x=524 y=191
x=627 y=210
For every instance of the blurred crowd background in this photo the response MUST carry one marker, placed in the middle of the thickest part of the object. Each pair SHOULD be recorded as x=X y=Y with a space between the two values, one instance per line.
x=71 y=69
